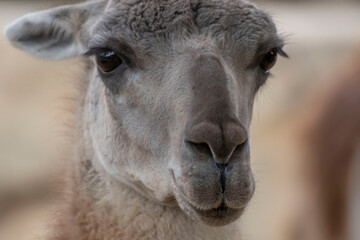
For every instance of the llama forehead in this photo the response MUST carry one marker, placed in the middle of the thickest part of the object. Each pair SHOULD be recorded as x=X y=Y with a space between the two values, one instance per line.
x=229 y=22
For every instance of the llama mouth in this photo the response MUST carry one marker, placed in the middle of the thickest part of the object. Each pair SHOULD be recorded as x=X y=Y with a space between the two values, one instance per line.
x=217 y=212
x=219 y=216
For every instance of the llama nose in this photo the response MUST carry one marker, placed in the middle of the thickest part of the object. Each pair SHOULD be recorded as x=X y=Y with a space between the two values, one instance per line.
x=218 y=140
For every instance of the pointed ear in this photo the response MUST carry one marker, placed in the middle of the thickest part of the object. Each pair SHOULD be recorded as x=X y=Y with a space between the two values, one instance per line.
x=57 y=33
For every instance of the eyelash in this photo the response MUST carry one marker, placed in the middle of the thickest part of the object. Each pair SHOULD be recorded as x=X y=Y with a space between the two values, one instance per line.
x=95 y=51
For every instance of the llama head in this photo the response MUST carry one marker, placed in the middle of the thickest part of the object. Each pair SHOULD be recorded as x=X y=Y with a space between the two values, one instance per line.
x=169 y=106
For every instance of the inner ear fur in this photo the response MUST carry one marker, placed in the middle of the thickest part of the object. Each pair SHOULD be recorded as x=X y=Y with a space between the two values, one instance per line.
x=57 y=33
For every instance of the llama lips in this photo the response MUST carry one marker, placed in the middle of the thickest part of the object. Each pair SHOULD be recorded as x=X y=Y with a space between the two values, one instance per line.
x=219 y=212
x=219 y=216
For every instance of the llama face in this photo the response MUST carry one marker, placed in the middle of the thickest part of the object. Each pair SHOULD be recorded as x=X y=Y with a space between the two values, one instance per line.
x=169 y=107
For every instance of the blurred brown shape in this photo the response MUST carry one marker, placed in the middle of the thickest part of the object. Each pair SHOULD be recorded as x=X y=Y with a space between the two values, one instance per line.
x=331 y=140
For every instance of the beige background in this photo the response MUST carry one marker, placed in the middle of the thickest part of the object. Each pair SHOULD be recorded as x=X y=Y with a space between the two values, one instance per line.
x=35 y=116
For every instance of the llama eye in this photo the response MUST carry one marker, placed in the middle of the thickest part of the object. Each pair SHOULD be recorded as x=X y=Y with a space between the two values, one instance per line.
x=268 y=60
x=108 y=61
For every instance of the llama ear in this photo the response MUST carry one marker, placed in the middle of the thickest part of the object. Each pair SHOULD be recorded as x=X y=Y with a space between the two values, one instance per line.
x=57 y=33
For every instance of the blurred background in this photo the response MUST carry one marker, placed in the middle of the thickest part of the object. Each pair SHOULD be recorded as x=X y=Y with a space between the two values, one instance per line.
x=305 y=132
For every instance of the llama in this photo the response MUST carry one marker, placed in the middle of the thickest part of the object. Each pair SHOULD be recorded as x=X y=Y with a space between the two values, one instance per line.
x=161 y=149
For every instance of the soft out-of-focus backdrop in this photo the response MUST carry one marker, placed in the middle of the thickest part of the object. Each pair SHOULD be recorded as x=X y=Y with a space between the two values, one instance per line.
x=323 y=43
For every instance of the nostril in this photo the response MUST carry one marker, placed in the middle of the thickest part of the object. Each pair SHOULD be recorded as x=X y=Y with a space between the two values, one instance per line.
x=201 y=147
x=240 y=147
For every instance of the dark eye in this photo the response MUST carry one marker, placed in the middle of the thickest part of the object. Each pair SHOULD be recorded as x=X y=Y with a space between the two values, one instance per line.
x=108 y=60
x=268 y=60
